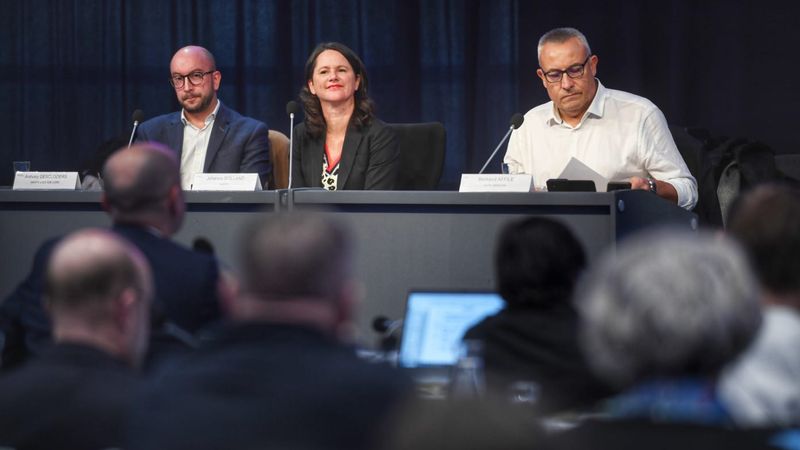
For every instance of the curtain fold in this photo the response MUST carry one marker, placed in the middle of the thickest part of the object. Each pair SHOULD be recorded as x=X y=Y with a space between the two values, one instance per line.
x=73 y=71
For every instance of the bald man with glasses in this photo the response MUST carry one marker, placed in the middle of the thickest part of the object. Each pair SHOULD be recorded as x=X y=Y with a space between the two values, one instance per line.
x=207 y=136
x=621 y=136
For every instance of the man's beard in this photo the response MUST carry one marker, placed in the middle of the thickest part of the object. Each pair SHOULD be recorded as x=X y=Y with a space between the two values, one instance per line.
x=204 y=102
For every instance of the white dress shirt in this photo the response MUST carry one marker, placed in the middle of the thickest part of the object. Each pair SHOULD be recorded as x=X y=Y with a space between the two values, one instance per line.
x=762 y=387
x=195 y=145
x=621 y=135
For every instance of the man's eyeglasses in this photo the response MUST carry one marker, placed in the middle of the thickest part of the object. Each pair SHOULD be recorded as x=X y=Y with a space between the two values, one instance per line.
x=573 y=71
x=195 y=78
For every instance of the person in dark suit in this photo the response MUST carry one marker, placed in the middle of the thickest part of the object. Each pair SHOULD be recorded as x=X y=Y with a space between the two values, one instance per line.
x=279 y=375
x=78 y=393
x=341 y=145
x=207 y=136
x=145 y=201
x=535 y=337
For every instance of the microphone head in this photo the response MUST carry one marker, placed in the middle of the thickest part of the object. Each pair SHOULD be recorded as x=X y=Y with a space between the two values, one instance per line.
x=138 y=115
x=381 y=324
x=292 y=107
x=202 y=245
x=516 y=120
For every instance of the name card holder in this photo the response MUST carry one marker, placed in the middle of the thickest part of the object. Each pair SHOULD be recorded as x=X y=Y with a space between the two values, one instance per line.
x=46 y=181
x=226 y=182
x=495 y=182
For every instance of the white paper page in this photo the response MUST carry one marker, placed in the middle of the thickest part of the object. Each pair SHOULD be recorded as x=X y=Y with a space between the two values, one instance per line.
x=577 y=170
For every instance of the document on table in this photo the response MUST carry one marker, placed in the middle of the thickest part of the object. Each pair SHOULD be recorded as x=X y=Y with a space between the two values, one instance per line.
x=577 y=170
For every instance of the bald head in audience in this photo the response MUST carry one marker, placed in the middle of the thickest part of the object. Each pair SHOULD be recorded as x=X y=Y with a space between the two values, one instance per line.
x=98 y=290
x=142 y=187
x=297 y=268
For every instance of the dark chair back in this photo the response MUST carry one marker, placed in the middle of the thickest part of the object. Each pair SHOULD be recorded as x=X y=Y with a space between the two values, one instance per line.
x=422 y=148
x=691 y=145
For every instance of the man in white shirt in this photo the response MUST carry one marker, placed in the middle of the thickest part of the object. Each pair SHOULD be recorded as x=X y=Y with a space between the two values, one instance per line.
x=207 y=136
x=621 y=136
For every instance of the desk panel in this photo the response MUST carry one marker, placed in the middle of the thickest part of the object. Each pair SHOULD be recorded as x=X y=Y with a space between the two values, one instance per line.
x=405 y=240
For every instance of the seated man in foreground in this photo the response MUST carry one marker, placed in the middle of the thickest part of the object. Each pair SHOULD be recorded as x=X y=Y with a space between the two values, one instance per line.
x=279 y=375
x=621 y=136
x=77 y=393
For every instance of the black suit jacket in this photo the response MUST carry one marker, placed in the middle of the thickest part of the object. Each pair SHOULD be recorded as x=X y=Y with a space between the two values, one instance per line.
x=266 y=386
x=70 y=397
x=185 y=293
x=370 y=158
x=538 y=343
x=238 y=144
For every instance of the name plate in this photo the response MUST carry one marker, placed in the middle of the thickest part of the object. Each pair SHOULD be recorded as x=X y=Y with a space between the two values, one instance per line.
x=226 y=182
x=62 y=181
x=495 y=182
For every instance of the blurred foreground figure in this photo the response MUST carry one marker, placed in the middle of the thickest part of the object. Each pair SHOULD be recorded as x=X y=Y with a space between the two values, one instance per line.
x=77 y=393
x=660 y=317
x=763 y=389
x=279 y=375
x=534 y=338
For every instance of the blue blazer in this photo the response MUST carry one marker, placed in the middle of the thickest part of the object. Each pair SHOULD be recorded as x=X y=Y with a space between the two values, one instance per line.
x=237 y=144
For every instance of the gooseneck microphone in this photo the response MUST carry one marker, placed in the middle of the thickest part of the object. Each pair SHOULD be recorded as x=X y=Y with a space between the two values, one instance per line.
x=386 y=326
x=388 y=330
x=292 y=108
x=516 y=121
x=138 y=117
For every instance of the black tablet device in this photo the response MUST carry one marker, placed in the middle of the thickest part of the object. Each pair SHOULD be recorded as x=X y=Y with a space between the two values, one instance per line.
x=564 y=185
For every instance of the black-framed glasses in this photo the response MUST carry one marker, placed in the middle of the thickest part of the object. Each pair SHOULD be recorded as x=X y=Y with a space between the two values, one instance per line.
x=195 y=78
x=573 y=71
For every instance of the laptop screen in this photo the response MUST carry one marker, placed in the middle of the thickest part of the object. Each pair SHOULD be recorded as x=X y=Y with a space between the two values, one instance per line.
x=435 y=322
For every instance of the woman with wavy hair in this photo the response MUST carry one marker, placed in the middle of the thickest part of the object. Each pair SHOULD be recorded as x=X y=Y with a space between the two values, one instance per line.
x=341 y=145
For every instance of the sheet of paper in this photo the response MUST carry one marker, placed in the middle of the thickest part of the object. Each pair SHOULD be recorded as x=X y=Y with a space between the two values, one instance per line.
x=577 y=170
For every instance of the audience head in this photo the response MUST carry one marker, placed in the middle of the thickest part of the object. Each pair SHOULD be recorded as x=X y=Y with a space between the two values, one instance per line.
x=142 y=186
x=98 y=292
x=299 y=264
x=352 y=77
x=537 y=261
x=194 y=75
x=667 y=304
x=766 y=221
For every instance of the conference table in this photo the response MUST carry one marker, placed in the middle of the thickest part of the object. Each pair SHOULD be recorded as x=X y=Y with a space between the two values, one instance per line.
x=405 y=240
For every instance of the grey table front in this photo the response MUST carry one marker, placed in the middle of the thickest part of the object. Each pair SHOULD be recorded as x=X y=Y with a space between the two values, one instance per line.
x=446 y=240
x=405 y=240
x=28 y=218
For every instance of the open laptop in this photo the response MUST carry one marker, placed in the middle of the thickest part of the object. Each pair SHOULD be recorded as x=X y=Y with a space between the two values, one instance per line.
x=435 y=322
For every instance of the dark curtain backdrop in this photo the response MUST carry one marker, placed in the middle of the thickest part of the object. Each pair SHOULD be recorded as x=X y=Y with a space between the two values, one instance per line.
x=72 y=71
